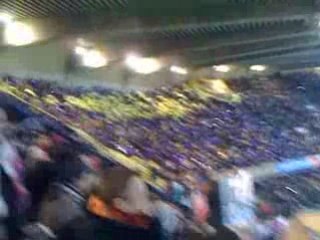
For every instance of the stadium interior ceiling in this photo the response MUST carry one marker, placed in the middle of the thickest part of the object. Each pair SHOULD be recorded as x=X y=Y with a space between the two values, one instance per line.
x=196 y=34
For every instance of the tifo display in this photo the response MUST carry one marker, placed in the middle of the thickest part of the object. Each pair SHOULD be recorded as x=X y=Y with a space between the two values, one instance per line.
x=242 y=134
x=194 y=126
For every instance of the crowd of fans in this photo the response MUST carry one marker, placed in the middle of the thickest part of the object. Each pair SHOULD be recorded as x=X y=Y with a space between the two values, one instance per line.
x=189 y=126
x=187 y=130
x=280 y=199
x=290 y=194
x=54 y=188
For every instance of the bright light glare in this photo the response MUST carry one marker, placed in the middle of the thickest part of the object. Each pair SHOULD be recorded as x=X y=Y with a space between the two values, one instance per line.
x=90 y=57
x=179 y=70
x=258 y=68
x=142 y=65
x=222 y=68
x=5 y=18
x=18 y=34
x=80 y=50
x=94 y=59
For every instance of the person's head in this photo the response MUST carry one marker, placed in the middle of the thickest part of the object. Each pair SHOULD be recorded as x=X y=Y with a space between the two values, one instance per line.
x=122 y=188
x=86 y=183
x=64 y=153
x=204 y=184
x=93 y=163
x=208 y=186
x=112 y=184
x=44 y=142
x=264 y=211
x=36 y=154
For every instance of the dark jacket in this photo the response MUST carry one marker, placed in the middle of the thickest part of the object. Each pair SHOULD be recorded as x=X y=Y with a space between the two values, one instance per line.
x=37 y=182
x=13 y=221
x=66 y=204
x=215 y=217
x=94 y=227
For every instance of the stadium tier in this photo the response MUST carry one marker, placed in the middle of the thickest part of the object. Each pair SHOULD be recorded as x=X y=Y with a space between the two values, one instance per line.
x=194 y=126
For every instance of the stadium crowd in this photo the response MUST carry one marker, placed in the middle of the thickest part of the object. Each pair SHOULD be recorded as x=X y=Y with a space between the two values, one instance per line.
x=188 y=130
x=274 y=120
x=54 y=187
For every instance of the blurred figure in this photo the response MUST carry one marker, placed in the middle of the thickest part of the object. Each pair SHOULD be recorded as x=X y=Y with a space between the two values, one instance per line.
x=66 y=200
x=92 y=162
x=5 y=125
x=4 y=211
x=118 y=209
x=14 y=194
x=171 y=220
x=41 y=172
x=207 y=212
x=177 y=191
x=38 y=181
x=37 y=152
x=199 y=202
x=212 y=190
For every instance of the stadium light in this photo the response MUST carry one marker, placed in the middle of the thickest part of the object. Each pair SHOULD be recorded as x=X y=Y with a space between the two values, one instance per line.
x=19 y=34
x=142 y=65
x=80 y=50
x=6 y=18
x=258 y=68
x=222 y=68
x=91 y=58
x=94 y=59
x=178 y=70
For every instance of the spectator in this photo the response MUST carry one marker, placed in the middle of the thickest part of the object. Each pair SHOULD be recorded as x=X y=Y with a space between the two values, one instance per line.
x=118 y=209
x=13 y=190
x=171 y=220
x=67 y=199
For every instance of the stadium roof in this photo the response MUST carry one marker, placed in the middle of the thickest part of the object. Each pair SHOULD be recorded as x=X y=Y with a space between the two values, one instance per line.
x=197 y=33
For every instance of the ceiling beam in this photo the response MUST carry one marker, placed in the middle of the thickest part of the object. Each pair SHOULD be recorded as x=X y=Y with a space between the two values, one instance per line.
x=259 y=53
x=249 y=48
x=250 y=40
x=136 y=28
x=291 y=57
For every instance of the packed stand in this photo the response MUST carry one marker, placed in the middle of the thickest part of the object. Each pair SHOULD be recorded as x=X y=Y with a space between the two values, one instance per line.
x=187 y=131
x=52 y=190
x=192 y=126
x=280 y=200
x=290 y=193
